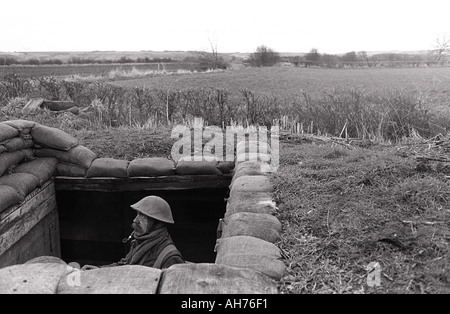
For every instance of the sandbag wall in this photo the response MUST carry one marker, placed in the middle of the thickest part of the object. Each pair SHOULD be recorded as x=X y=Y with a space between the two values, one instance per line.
x=28 y=214
x=31 y=154
x=51 y=275
x=248 y=233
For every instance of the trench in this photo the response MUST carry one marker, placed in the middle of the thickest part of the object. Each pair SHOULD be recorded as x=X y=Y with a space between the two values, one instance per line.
x=93 y=223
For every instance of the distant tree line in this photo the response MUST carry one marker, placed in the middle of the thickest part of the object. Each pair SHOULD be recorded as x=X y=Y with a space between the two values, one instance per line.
x=362 y=59
x=265 y=56
x=76 y=60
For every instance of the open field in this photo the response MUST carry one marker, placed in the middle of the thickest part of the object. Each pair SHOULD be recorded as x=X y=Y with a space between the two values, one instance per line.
x=290 y=82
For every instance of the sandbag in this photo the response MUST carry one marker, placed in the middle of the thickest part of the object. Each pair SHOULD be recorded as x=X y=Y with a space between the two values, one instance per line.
x=23 y=183
x=69 y=170
x=250 y=202
x=262 y=226
x=18 y=143
x=226 y=166
x=28 y=153
x=209 y=278
x=190 y=166
x=9 y=159
x=252 y=147
x=242 y=157
x=41 y=168
x=9 y=197
x=2 y=148
x=23 y=126
x=46 y=259
x=33 y=278
x=7 y=132
x=268 y=265
x=257 y=183
x=127 y=279
x=108 y=167
x=151 y=167
x=78 y=155
x=251 y=168
x=250 y=252
x=53 y=138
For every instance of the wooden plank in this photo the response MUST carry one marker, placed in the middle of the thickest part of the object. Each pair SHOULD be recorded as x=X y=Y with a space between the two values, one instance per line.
x=206 y=278
x=32 y=105
x=20 y=222
x=42 y=239
x=142 y=183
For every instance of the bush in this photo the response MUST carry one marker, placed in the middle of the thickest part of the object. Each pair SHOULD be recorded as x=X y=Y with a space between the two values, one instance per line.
x=264 y=56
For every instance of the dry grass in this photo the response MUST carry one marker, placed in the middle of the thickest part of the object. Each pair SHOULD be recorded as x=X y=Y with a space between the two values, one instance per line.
x=343 y=209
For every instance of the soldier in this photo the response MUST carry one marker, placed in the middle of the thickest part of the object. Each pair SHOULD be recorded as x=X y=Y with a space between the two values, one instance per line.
x=151 y=244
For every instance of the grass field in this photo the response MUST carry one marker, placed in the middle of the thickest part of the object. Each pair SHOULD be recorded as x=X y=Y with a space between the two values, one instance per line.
x=342 y=207
x=290 y=82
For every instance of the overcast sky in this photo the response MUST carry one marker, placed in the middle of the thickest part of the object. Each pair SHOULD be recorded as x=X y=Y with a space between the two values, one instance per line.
x=332 y=26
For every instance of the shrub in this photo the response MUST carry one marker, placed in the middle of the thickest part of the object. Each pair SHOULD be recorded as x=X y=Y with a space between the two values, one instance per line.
x=264 y=56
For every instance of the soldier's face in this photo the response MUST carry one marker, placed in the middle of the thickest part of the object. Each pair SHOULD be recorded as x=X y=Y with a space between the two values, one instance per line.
x=141 y=224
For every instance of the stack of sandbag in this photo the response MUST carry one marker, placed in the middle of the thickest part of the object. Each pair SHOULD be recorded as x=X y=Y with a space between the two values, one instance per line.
x=248 y=233
x=73 y=159
x=250 y=188
x=15 y=147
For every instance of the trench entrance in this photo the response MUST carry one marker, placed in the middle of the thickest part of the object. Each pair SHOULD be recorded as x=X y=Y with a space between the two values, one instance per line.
x=93 y=223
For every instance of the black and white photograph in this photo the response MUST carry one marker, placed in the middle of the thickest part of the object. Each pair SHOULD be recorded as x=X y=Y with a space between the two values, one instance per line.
x=231 y=154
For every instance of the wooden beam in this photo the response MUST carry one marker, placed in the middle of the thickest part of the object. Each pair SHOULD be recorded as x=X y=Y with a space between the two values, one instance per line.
x=23 y=218
x=177 y=182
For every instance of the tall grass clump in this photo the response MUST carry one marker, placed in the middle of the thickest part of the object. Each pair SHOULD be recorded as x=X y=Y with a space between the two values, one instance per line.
x=391 y=115
x=12 y=86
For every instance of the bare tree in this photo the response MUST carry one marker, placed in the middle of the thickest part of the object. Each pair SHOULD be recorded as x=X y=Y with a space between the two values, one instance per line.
x=441 y=44
x=215 y=55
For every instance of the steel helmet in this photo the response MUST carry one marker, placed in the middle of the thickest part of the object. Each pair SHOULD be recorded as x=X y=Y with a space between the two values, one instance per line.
x=154 y=207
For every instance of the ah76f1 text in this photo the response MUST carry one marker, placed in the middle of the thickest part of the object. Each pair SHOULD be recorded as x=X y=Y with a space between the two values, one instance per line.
x=237 y=303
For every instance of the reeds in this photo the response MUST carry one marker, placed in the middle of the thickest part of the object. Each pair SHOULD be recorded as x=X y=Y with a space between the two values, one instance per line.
x=349 y=113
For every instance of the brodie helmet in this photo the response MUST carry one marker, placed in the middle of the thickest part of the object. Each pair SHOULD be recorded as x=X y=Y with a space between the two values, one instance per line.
x=154 y=207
